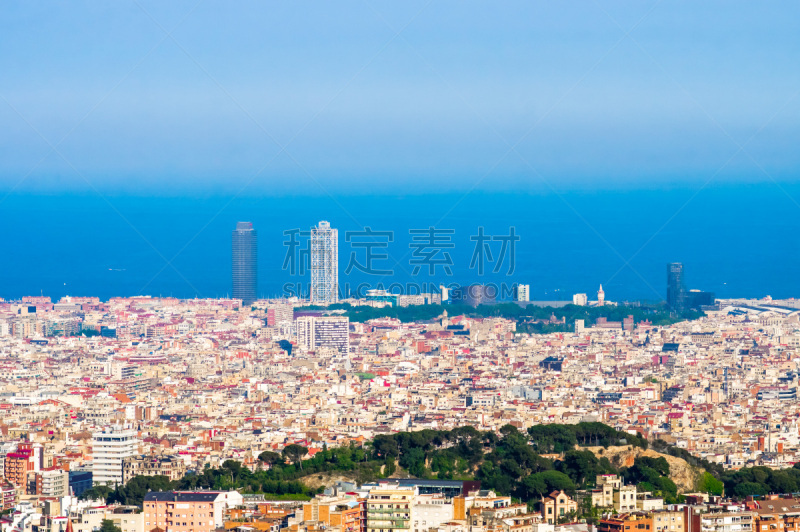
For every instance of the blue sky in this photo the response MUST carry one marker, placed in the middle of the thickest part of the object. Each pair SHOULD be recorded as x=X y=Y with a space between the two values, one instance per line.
x=484 y=95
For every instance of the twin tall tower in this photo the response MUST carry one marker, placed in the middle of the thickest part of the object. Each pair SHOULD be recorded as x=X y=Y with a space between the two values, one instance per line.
x=324 y=263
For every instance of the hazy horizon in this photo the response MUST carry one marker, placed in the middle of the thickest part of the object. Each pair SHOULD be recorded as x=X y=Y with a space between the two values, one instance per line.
x=449 y=96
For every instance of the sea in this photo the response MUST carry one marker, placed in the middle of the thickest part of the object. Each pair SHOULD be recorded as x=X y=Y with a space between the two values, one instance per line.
x=736 y=241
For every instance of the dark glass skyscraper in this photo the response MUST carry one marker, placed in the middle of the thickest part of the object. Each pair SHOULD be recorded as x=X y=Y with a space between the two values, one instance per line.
x=676 y=293
x=245 y=262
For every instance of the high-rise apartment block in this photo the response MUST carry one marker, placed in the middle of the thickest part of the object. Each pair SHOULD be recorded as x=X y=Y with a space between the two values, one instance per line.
x=278 y=313
x=49 y=483
x=676 y=294
x=324 y=264
x=523 y=292
x=110 y=447
x=245 y=262
x=580 y=299
x=314 y=332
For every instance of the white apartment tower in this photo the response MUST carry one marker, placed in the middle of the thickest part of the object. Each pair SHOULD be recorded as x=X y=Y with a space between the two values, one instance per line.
x=523 y=292
x=109 y=448
x=324 y=331
x=324 y=264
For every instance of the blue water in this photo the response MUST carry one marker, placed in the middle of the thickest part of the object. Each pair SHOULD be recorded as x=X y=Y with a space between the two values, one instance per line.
x=733 y=240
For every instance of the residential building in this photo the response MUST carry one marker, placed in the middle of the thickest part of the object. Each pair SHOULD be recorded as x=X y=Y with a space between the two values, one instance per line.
x=341 y=514
x=728 y=522
x=314 y=332
x=557 y=506
x=110 y=447
x=626 y=522
x=17 y=465
x=8 y=495
x=431 y=511
x=49 y=483
x=171 y=467
x=523 y=292
x=625 y=499
x=603 y=494
x=390 y=508
x=668 y=521
x=187 y=511
x=580 y=299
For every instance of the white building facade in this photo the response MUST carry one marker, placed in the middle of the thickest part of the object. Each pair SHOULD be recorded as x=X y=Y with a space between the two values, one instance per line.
x=109 y=448
x=324 y=264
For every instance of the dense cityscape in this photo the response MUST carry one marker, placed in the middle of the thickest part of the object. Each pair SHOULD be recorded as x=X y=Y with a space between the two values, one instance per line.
x=418 y=266
x=465 y=413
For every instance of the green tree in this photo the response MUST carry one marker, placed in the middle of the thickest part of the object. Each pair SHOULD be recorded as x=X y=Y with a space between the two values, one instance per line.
x=295 y=453
x=107 y=525
x=134 y=491
x=96 y=493
x=270 y=458
x=554 y=481
x=709 y=484
x=580 y=466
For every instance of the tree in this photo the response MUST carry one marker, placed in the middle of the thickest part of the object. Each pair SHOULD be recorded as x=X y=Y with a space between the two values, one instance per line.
x=709 y=484
x=134 y=492
x=108 y=525
x=295 y=453
x=96 y=493
x=533 y=486
x=552 y=481
x=286 y=345
x=270 y=458
x=580 y=466
x=385 y=446
x=414 y=462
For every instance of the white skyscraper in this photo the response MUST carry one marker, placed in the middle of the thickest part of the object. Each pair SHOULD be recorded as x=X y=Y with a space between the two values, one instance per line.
x=324 y=264
x=109 y=448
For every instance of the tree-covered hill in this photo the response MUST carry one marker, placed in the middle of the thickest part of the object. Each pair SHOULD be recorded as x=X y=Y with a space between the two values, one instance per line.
x=511 y=462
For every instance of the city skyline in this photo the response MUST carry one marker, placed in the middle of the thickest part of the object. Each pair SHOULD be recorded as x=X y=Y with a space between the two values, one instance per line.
x=399 y=267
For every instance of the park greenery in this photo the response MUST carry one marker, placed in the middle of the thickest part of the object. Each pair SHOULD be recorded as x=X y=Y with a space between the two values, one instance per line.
x=530 y=318
x=510 y=462
x=526 y=465
x=758 y=481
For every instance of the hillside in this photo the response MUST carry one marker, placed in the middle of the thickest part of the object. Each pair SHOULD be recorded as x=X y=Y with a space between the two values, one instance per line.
x=524 y=464
x=685 y=476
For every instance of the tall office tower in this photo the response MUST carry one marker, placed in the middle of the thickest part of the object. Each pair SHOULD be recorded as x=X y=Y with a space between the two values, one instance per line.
x=324 y=264
x=109 y=448
x=676 y=294
x=324 y=331
x=523 y=292
x=245 y=262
